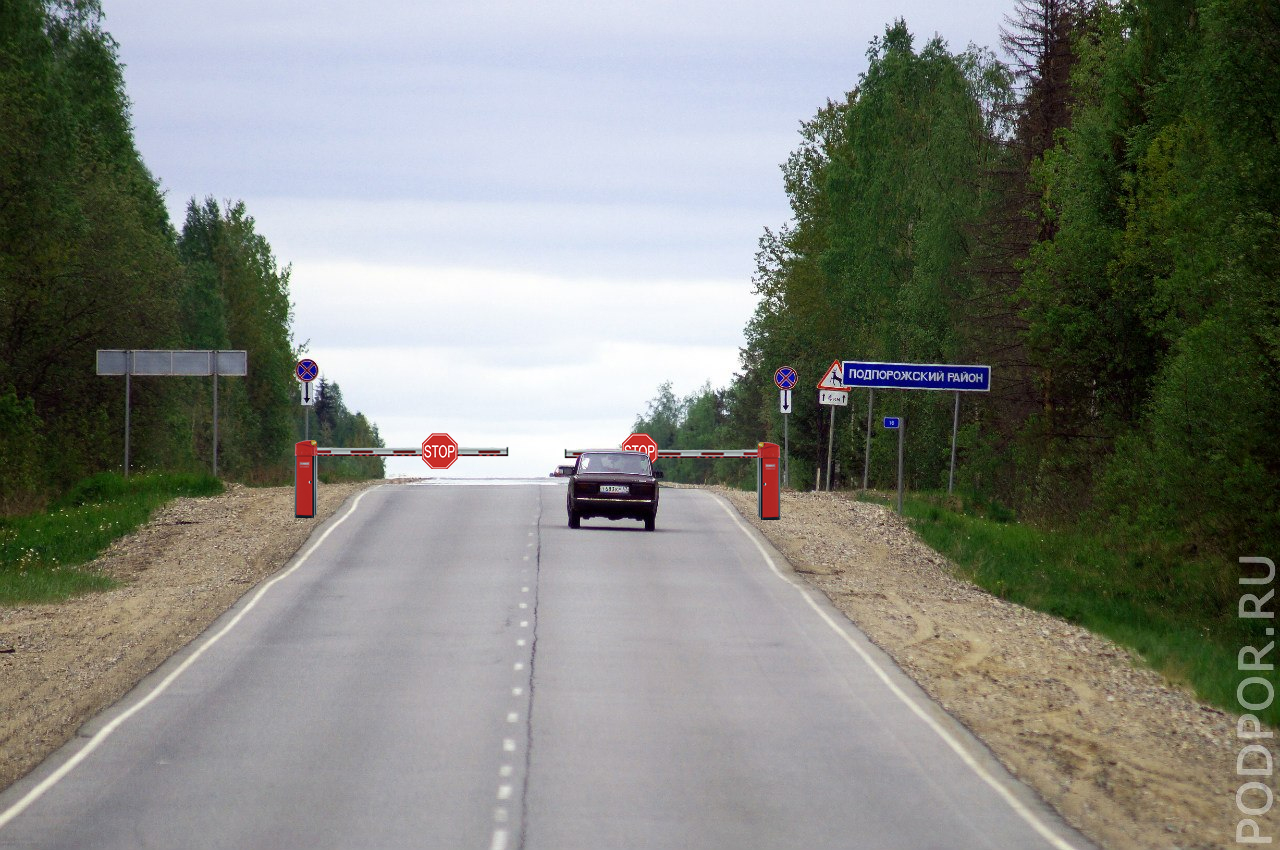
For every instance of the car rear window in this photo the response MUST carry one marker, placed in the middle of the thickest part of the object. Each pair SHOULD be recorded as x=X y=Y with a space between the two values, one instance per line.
x=627 y=462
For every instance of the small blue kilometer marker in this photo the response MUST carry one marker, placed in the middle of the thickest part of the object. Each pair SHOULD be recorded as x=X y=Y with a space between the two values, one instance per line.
x=891 y=422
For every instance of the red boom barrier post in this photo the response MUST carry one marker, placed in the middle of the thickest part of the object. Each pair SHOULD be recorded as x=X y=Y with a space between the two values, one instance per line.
x=305 y=476
x=768 y=481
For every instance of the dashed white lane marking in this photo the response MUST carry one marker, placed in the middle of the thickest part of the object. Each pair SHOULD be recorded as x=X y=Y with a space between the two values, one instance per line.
x=1031 y=818
x=505 y=789
x=96 y=741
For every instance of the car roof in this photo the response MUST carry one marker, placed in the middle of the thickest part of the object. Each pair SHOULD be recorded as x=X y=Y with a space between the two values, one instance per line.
x=612 y=452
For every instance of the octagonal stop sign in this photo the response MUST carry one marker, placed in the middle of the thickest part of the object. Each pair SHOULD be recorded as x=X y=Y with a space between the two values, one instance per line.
x=439 y=451
x=641 y=443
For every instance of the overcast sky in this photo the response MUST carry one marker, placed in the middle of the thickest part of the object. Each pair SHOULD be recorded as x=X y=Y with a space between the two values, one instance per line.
x=507 y=221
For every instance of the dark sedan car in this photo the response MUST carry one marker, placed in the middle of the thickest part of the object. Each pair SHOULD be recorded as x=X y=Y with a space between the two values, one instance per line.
x=615 y=485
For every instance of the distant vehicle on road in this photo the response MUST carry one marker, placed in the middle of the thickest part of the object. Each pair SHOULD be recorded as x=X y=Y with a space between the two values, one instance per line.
x=562 y=471
x=613 y=485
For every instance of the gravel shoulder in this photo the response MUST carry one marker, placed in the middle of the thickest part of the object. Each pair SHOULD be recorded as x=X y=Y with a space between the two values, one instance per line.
x=1129 y=759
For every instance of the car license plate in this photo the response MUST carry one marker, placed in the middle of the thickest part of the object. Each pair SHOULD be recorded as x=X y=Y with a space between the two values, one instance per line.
x=614 y=488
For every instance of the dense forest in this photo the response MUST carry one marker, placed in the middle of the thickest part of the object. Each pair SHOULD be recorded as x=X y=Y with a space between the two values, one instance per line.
x=1096 y=216
x=90 y=260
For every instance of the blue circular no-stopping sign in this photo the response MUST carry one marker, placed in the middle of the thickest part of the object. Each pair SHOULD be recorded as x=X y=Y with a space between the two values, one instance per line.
x=785 y=377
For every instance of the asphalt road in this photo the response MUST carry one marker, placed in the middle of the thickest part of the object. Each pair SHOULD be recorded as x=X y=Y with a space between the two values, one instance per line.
x=452 y=667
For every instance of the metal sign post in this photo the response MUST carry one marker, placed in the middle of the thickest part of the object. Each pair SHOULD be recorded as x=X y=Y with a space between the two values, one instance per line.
x=898 y=423
x=866 y=456
x=831 y=438
x=955 y=427
x=215 y=418
x=785 y=377
x=128 y=370
x=308 y=402
x=784 y=403
x=902 y=430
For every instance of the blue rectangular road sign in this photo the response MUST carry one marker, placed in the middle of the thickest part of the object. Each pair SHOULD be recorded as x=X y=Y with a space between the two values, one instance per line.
x=917 y=376
x=891 y=422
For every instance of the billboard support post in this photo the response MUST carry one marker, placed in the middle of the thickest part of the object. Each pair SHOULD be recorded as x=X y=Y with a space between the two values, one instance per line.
x=955 y=428
x=127 y=388
x=215 y=417
x=866 y=455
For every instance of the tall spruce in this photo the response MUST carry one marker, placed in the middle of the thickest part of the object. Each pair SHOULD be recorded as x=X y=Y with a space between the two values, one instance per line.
x=86 y=255
x=236 y=278
x=1016 y=418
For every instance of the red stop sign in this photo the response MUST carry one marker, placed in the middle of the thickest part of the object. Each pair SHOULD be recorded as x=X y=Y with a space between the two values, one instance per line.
x=641 y=443
x=439 y=451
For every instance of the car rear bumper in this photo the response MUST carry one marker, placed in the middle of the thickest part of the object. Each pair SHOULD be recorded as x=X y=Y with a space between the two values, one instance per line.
x=614 y=507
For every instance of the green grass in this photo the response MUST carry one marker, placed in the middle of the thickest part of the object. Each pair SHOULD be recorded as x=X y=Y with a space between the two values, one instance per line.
x=1170 y=608
x=42 y=555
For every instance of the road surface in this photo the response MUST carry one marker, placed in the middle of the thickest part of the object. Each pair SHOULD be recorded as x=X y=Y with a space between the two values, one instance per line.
x=452 y=667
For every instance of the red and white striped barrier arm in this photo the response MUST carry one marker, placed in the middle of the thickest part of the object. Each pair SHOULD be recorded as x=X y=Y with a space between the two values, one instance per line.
x=463 y=451
x=673 y=453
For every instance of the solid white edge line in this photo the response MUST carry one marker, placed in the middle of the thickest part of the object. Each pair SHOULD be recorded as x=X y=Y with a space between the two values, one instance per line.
x=1014 y=803
x=96 y=740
